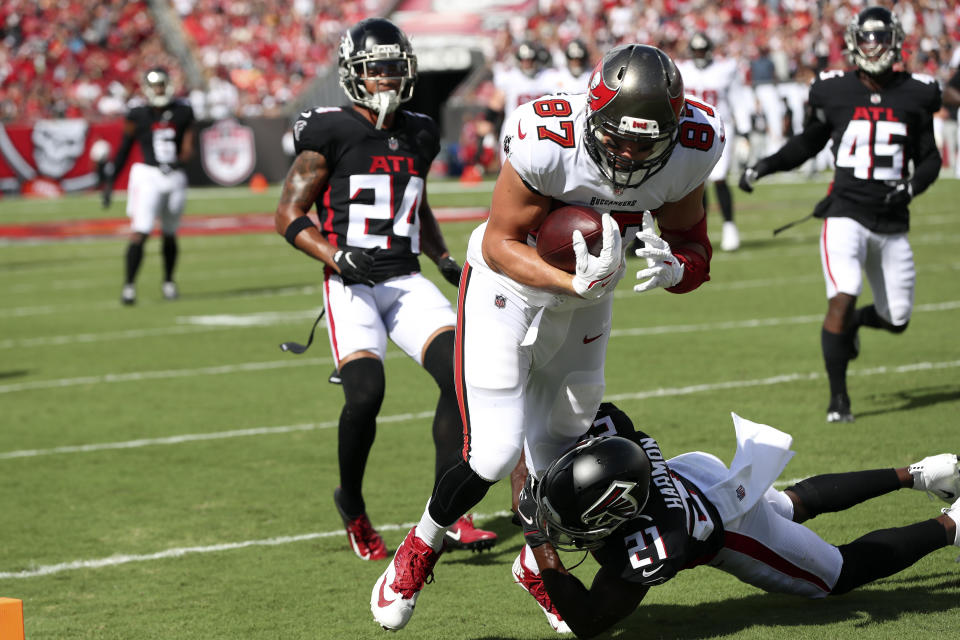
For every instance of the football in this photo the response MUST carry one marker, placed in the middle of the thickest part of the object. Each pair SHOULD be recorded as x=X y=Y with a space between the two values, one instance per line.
x=555 y=235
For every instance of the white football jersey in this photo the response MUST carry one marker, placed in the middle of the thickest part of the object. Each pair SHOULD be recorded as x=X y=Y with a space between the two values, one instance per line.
x=519 y=88
x=562 y=81
x=544 y=143
x=712 y=84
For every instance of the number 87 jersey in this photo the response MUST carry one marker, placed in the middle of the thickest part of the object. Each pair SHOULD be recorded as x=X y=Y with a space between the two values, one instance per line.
x=545 y=144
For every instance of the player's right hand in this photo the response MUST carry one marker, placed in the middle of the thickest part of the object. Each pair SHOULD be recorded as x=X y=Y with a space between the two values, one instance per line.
x=594 y=275
x=355 y=265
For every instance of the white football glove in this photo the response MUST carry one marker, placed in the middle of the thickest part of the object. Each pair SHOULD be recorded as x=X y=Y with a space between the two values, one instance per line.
x=593 y=274
x=663 y=268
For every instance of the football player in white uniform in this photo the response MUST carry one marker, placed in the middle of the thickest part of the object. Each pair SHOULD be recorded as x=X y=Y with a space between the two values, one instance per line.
x=712 y=79
x=532 y=339
x=516 y=85
x=573 y=77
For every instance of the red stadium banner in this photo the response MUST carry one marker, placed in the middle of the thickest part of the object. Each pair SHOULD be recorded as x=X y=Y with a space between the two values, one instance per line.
x=49 y=157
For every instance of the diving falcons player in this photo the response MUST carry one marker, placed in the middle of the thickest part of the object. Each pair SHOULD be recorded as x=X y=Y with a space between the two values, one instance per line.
x=532 y=339
x=365 y=166
x=885 y=154
x=646 y=518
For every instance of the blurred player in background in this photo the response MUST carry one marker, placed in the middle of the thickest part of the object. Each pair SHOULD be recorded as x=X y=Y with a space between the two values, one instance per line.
x=574 y=75
x=157 y=185
x=711 y=79
x=885 y=154
x=365 y=166
x=515 y=85
x=645 y=519
x=532 y=339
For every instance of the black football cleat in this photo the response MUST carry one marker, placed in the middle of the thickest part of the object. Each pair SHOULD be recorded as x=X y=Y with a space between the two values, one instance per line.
x=839 y=409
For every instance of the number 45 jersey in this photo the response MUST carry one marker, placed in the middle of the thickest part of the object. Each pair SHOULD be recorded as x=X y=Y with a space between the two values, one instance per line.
x=375 y=183
x=875 y=136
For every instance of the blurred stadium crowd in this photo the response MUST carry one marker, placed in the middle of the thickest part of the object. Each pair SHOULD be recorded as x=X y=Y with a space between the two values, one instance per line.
x=73 y=58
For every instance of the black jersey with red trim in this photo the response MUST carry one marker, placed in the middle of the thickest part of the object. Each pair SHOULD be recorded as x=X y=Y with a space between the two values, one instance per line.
x=159 y=132
x=876 y=136
x=376 y=182
x=678 y=527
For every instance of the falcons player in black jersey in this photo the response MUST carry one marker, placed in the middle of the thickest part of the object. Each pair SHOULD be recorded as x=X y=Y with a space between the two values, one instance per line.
x=365 y=168
x=881 y=124
x=646 y=518
x=157 y=186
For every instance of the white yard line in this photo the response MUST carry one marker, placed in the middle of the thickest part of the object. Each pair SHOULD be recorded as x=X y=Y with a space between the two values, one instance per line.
x=271 y=318
x=636 y=395
x=197 y=437
x=179 y=552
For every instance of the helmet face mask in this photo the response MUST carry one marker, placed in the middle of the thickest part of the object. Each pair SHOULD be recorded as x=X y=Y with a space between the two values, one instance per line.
x=157 y=87
x=874 y=40
x=590 y=491
x=634 y=100
x=376 y=50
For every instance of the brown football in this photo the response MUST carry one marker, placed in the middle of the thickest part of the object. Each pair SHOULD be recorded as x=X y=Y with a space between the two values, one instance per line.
x=555 y=235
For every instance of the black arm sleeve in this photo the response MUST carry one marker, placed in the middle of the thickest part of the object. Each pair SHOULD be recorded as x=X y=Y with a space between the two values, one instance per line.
x=798 y=149
x=928 y=160
x=120 y=160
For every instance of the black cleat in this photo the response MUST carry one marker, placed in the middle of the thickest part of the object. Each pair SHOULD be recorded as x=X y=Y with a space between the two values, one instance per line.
x=839 y=409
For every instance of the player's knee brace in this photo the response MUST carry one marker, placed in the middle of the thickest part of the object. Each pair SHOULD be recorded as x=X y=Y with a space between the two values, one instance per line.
x=363 y=388
x=438 y=361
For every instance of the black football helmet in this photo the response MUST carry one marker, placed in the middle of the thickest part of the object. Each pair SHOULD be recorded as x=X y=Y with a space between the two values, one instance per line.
x=578 y=58
x=157 y=87
x=635 y=94
x=589 y=491
x=531 y=57
x=377 y=48
x=874 y=40
x=701 y=50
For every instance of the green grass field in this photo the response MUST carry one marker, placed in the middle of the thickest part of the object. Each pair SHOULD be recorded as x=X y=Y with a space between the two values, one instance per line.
x=167 y=472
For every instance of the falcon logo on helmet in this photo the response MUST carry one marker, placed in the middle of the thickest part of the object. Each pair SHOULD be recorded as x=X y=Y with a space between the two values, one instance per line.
x=588 y=492
x=613 y=507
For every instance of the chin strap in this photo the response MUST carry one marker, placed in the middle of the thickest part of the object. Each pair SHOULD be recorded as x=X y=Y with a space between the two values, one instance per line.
x=388 y=103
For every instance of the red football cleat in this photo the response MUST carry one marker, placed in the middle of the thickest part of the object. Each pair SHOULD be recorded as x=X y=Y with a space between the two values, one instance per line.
x=463 y=535
x=532 y=583
x=395 y=593
x=364 y=539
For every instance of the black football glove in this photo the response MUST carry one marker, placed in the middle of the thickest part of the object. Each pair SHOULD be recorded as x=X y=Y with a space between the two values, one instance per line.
x=106 y=195
x=527 y=511
x=355 y=265
x=899 y=196
x=450 y=270
x=754 y=173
